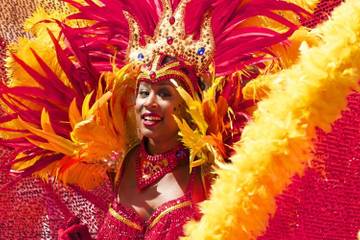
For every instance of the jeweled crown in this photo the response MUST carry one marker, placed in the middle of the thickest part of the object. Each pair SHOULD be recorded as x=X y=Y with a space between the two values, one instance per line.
x=170 y=38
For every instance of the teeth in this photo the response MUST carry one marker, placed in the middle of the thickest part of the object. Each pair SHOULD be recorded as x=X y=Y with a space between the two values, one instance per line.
x=152 y=118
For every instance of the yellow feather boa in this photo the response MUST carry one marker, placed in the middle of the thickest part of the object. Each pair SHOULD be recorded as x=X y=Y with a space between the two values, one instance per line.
x=277 y=144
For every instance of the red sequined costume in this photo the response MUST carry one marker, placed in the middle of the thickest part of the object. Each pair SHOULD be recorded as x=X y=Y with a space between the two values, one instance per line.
x=166 y=222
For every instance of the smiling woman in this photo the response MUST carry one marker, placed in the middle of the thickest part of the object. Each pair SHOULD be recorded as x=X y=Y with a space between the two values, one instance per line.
x=145 y=200
x=155 y=106
x=156 y=103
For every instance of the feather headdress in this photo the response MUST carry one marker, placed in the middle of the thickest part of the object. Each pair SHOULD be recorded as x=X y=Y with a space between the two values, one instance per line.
x=73 y=113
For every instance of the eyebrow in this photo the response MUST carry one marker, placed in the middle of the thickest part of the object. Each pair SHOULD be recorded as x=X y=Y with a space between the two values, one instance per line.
x=158 y=84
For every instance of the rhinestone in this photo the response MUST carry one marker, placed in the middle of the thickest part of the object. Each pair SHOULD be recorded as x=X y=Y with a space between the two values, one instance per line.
x=169 y=40
x=201 y=51
x=152 y=75
x=172 y=20
x=140 y=56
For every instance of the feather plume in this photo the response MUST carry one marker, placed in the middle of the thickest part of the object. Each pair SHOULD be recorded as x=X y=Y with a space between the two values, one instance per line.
x=48 y=84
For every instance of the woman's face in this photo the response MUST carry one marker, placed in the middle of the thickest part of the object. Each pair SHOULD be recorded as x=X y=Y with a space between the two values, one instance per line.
x=155 y=105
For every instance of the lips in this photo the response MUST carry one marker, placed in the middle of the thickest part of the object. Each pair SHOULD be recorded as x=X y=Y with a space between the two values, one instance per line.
x=151 y=119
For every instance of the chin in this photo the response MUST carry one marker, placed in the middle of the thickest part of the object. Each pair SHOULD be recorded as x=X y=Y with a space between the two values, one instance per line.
x=148 y=133
x=159 y=132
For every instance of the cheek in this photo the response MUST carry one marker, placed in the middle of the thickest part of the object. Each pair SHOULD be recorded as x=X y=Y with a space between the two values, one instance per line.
x=138 y=107
x=138 y=104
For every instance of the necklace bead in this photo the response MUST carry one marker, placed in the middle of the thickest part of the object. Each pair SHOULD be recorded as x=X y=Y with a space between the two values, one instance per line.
x=151 y=168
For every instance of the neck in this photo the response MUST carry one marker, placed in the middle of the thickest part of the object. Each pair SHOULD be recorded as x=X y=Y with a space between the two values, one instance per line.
x=157 y=147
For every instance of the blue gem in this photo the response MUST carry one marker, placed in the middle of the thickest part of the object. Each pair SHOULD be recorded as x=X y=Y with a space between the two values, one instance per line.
x=141 y=56
x=201 y=51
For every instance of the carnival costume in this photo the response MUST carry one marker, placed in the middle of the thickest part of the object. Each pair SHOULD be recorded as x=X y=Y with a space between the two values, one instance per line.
x=69 y=101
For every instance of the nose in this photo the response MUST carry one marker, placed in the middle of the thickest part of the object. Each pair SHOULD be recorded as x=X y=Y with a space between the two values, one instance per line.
x=151 y=101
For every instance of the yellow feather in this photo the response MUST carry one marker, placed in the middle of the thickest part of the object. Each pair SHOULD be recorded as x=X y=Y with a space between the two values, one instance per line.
x=95 y=145
x=19 y=166
x=15 y=125
x=42 y=45
x=45 y=122
x=55 y=142
x=84 y=175
x=86 y=105
x=259 y=88
x=195 y=109
x=87 y=176
x=74 y=114
x=35 y=24
x=191 y=139
x=98 y=104
x=51 y=146
x=104 y=127
x=210 y=93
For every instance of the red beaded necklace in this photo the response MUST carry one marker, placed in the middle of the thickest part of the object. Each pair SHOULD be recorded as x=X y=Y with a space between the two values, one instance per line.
x=151 y=168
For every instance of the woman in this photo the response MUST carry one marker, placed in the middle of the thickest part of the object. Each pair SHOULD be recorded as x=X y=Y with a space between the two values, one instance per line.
x=150 y=168
x=187 y=115
x=145 y=207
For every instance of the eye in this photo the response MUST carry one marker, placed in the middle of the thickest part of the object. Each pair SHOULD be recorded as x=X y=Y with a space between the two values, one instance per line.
x=143 y=93
x=164 y=92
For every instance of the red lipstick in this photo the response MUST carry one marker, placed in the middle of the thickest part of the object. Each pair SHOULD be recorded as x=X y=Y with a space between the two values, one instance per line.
x=151 y=119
